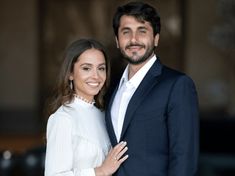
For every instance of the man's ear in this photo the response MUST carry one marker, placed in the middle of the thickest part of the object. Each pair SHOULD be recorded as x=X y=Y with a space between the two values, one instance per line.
x=156 y=39
x=117 y=44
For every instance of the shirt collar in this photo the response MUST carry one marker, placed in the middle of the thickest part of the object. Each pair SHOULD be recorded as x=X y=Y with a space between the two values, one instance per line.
x=139 y=75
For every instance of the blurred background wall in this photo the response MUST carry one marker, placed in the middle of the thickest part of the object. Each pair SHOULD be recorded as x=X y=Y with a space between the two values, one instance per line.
x=198 y=37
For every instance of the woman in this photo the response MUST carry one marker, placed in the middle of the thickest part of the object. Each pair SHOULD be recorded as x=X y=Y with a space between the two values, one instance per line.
x=77 y=141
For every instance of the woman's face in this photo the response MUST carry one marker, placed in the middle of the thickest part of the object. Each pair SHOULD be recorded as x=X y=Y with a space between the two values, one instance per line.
x=89 y=73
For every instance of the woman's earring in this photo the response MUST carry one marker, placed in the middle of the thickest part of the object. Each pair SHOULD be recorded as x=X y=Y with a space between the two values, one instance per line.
x=71 y=84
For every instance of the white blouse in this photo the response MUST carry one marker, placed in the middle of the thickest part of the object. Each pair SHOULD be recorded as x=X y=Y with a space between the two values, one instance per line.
x=77 y=140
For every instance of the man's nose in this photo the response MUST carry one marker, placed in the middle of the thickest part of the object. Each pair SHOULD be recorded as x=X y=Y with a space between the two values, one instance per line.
x=134 y=38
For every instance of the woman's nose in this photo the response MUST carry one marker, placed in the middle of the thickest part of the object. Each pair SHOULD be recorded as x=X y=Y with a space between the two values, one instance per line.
x=95 y=74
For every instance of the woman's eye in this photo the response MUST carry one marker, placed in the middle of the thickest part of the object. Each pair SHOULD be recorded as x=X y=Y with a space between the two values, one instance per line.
x=102 y=68
x=86 y=68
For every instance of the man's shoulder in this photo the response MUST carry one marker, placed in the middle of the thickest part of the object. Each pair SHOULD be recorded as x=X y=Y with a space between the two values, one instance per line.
x=171 y=71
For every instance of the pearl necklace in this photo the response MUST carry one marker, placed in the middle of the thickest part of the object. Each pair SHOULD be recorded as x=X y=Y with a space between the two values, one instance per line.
x=84 y=99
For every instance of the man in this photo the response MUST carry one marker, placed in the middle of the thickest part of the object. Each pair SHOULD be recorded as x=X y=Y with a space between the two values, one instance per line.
x=154 y=108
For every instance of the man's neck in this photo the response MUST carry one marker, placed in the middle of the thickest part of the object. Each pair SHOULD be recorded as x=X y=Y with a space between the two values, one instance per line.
x=133 y=69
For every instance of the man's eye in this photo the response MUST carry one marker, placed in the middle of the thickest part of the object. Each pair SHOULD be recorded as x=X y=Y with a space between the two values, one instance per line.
x=143 y=31
x=125 y=32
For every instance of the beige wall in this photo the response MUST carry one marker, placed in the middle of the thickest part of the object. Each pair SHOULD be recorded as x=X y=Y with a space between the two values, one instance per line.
x=18 y=50
x=19 y=65
x=207 y=65
x=26 y=74
x=62 y=21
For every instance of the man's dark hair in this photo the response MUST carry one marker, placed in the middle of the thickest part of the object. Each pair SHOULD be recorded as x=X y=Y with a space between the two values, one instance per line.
x=141 y=11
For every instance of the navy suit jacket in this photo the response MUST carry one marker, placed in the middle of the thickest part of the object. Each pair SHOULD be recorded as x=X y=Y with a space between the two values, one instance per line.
x=161 y=126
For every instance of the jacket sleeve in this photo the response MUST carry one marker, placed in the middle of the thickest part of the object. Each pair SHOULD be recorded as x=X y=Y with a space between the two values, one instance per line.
x=59 y=153
x=183 y=128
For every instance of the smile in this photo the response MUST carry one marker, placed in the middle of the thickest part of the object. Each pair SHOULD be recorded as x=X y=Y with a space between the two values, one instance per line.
x=93 y=84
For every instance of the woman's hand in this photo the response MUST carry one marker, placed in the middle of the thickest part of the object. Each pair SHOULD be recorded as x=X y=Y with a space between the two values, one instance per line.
x=113 y=160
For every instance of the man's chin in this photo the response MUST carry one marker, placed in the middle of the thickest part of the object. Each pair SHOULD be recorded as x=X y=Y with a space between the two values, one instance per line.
x=135 y=61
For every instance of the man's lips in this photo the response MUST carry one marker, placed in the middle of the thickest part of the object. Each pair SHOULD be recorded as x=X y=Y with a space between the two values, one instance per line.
x=134 y=47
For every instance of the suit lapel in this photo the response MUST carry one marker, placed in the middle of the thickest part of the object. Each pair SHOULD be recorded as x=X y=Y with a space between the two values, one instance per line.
x=151 y=78
x=108 y=118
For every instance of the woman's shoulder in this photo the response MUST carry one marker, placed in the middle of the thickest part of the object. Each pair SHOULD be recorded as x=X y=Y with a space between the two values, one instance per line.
x=61 y=114
x=59 y=123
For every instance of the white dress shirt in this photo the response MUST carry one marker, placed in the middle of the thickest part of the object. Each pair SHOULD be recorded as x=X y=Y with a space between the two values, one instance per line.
x=124 y=93
x=77 y=140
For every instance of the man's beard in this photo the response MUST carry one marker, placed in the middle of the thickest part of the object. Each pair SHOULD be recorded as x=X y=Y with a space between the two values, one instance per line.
x=138 y=59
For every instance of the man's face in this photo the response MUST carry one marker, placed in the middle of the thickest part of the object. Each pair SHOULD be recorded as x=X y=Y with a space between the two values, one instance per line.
x=136 y=39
